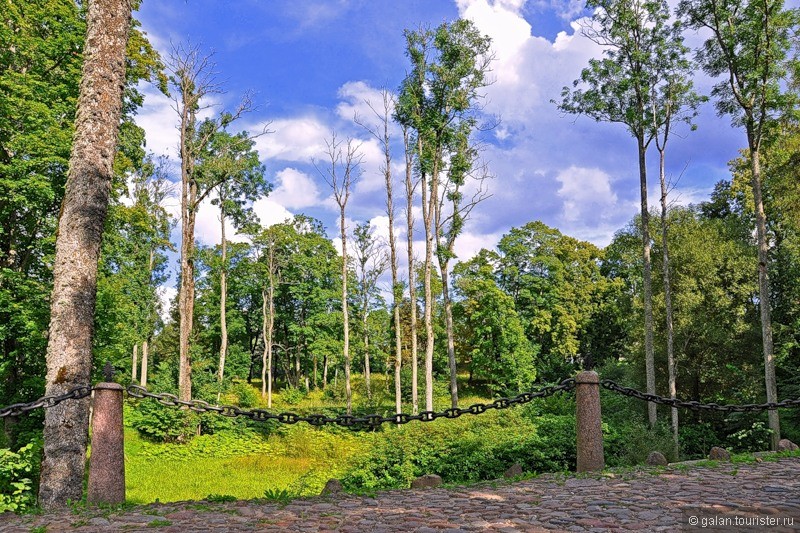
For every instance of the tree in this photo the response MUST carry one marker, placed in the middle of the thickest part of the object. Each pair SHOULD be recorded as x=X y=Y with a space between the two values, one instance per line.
x=555 y=283
x=371 y=261
x=674 y=101
x=342 y=173
x=80 y=227
x=751 y=47
x=381 y=133
x=492 y=337
x=641 y=49
x=230 y=162
x=191 y=74
x=438 y=102
x=410 y=187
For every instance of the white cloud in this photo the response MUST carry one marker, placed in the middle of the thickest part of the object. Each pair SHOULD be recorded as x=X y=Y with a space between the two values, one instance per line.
x=295 y=190
x=166 y=295
x=591 y=209
x=298 y=139
x=270 y=212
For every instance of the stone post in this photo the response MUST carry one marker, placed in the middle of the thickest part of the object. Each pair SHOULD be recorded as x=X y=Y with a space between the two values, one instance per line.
x=107 y=462
x=587 y=422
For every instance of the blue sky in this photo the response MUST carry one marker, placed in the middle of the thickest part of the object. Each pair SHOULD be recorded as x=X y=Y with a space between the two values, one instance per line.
x=313 y=63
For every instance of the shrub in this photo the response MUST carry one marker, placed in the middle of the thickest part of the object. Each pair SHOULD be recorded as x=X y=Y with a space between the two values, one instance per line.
x=18 y=470
x=163 y=423
x=245 y=395
x=292 y=395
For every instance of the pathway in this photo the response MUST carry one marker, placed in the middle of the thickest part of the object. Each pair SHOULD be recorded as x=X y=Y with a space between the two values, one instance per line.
x=647 y=499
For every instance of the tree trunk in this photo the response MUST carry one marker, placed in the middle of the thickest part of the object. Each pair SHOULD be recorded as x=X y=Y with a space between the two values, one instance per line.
x=366 y=356
x=648 y=285
x=671 y=368
x=223 y=296
x=345 y=318
x=135 y=365
x=412 y=289
x=763 y=291
x=451 y=346
x=145 y=357
x=80 y=228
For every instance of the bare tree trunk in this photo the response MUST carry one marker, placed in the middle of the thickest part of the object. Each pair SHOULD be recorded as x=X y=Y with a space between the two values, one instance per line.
x=80 y=228
x=671 y=368
x=451 y=347
x=345 y=317
x=412 y=289
x=649 y=358
x=763 y=291
x=223 y=297
x=325 y=370
x=366 y=355
x=186 y=294
x=145 y=357
x=135 y=365
x=427 y=216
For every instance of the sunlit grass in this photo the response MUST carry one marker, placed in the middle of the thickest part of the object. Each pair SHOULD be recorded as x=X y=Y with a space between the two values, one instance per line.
x=297 y=459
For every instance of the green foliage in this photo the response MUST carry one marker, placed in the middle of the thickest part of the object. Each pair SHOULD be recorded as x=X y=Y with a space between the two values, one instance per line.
x=292 y=395
x=246 y=396
x=463 y=450
x=18 y=474
x=220 y=498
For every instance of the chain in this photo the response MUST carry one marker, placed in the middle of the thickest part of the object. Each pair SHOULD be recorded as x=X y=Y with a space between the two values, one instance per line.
x=46 y=402
x=349 y=421
x=695 y=405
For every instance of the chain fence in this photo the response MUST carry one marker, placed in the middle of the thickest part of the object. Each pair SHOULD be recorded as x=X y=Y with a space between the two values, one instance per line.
x=45 y=402
x=349 y=421
x=695 y=405
x=376 y=420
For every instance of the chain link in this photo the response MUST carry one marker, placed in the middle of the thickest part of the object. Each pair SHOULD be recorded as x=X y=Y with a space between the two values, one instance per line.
x=695 y=405
x=45 y=402
x=349 y=421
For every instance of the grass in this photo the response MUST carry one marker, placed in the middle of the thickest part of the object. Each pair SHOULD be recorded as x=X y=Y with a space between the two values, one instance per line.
x=295 y=461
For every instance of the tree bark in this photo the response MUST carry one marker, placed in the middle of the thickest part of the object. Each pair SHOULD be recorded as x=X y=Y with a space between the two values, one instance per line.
x=763 y=290
x=345 y=317
x=223 y=296
x=427 y=216
x=412 y=288
x=145 y=357
x=135 y=364
x=80 y=228
x=648 y=284
x=671 y=368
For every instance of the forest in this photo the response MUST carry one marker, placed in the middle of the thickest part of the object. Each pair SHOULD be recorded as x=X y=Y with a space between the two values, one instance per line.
x=697 y=302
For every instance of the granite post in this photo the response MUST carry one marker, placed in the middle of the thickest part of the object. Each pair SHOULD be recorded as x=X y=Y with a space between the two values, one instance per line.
x=107 y=461
x=587 y=422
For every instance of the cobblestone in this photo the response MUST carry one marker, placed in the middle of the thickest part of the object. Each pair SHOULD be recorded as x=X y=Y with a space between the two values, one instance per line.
x=641 y=500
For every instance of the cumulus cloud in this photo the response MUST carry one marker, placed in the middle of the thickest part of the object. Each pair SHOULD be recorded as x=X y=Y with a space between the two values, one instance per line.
x=295 y=189
x=295 y=139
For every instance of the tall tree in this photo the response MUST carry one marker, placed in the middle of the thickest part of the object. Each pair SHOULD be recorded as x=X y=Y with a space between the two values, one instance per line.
x=230 y=162
x=678 y=103
x=438 y=101
x=192 y=76
x=751 y=47
x=411 y=183
x=371 y=262
x=80 y=227
x=640 y=47
x=381 y=134
x=343 y=172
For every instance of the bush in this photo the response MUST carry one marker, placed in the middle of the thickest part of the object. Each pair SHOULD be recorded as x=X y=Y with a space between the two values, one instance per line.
x=18 y=470
x=245 y=394
x=292 y=395
x=464 y=450
x=161 y=423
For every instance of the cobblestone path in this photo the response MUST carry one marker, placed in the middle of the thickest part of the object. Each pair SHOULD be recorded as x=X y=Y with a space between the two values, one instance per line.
x=648 y=499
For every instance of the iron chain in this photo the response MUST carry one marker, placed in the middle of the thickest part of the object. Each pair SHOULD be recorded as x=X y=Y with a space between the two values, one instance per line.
x=349 y=421
x=45 y=402
x=695 y=405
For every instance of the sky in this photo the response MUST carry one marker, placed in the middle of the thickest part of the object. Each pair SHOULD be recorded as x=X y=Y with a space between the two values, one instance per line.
x=312 y=64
